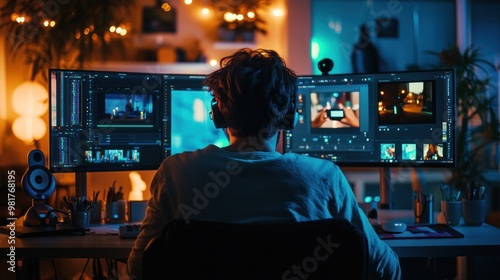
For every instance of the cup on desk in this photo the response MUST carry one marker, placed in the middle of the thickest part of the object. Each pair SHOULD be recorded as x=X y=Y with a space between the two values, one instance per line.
x=115 y=211
x=96 y=213
x=474 y=212
x=80 y=218
x=423 y=210
x=452 y=212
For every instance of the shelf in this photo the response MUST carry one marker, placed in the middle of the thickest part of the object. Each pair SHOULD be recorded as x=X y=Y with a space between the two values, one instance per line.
x=233 y=45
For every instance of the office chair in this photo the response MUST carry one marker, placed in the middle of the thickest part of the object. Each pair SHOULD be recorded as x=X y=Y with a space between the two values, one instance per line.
x=323 y=249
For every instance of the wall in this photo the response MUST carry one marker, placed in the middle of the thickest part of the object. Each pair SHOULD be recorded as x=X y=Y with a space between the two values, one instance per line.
x=423 y=25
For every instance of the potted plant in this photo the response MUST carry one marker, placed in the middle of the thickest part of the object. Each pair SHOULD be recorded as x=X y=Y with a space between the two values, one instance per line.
x=240 y=19
x=63 y=34
x=478 y=127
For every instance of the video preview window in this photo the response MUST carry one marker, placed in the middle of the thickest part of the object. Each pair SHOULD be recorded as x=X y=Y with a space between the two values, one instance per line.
x=335 y=109
x=433 y=151
x=129 y=107
x=406 y=103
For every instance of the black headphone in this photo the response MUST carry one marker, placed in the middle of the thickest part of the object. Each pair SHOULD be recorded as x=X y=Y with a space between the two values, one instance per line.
x=217 y=116
x=288 y=122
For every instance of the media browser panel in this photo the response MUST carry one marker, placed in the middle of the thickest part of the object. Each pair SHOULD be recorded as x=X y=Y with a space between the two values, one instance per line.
x=383 y=119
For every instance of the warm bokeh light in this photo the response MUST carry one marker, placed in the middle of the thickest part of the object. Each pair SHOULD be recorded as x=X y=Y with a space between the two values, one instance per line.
x=188 y=2
x=230 y=17
x=166 y=7
x=250 y=14
x=240 y=17
x=19 y=18
x=213 y=62
x=205 y=11
x=278 y=12
x=27 y=128
x=30 y=99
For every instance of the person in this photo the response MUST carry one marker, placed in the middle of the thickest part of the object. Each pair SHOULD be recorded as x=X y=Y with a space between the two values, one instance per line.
x=248 y=180
x=364 y=56
x=432 y=152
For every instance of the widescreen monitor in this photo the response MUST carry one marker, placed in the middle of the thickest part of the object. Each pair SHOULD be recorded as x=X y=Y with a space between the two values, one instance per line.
x=107 y=121
x=400 y=118
x=120 y=121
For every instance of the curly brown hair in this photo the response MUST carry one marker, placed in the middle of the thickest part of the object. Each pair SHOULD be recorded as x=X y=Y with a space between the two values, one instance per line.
x=255 y=91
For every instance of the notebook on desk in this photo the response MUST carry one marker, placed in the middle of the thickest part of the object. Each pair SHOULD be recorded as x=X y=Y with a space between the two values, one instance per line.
x=422 y=231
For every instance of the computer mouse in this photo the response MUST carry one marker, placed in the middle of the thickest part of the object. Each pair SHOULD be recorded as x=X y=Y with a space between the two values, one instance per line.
x=394 y=227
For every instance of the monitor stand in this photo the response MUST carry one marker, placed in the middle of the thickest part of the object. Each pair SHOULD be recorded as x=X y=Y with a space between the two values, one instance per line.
x=81 y=184
x=385 y=189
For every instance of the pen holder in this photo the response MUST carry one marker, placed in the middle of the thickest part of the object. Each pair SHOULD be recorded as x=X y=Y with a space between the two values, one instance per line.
x=474 y=212
x=96 y=214
x=423 y=210
x=115 y=211
x=80 y=218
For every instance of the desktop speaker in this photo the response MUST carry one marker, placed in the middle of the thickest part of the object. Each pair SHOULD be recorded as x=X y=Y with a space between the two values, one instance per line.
x=39 y=184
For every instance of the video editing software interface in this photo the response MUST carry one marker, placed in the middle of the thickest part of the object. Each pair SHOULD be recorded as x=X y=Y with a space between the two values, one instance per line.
x=383 y=119
x=114 y=121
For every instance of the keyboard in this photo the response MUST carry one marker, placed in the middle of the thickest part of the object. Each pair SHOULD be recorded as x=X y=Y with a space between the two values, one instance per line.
x=129 y=231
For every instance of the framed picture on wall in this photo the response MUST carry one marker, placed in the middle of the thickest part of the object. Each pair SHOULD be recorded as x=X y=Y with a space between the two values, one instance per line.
x=155 y=19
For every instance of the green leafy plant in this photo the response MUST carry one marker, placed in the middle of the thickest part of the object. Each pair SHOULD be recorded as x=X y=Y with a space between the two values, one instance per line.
x=242 y=7
x=478 y=126
x=63 y=34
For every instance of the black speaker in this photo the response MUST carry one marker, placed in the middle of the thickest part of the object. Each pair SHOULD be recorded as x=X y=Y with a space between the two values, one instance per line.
x=289 y=122
x=39 y=184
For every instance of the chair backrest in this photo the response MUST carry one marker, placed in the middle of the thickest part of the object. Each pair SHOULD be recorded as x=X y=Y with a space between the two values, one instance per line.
x=323 y=249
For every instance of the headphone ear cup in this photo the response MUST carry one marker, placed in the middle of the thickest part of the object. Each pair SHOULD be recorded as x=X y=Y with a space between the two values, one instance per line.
x=290 y=120
x=38 y=182
x=217 y=116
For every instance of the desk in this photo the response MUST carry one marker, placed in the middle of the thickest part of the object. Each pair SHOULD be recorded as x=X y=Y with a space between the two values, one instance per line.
x=78 y=246
x=482 y=240
x=478 y=241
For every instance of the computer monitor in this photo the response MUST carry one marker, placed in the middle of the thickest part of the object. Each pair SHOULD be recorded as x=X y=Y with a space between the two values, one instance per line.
x=107 y=121
x=191 y=127
x=121 y=121
x=401 y=119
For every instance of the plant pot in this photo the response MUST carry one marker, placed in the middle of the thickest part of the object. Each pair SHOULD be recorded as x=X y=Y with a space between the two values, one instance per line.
x=474 y=212
x=226 y=35
x=247 y=36
x=80 y=219
x=452 y=212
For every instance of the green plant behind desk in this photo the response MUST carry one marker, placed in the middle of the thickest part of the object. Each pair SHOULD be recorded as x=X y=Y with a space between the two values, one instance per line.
x=477 y=126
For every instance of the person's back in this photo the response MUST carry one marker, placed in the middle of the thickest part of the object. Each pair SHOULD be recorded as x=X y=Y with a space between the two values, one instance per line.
x=248 y=180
